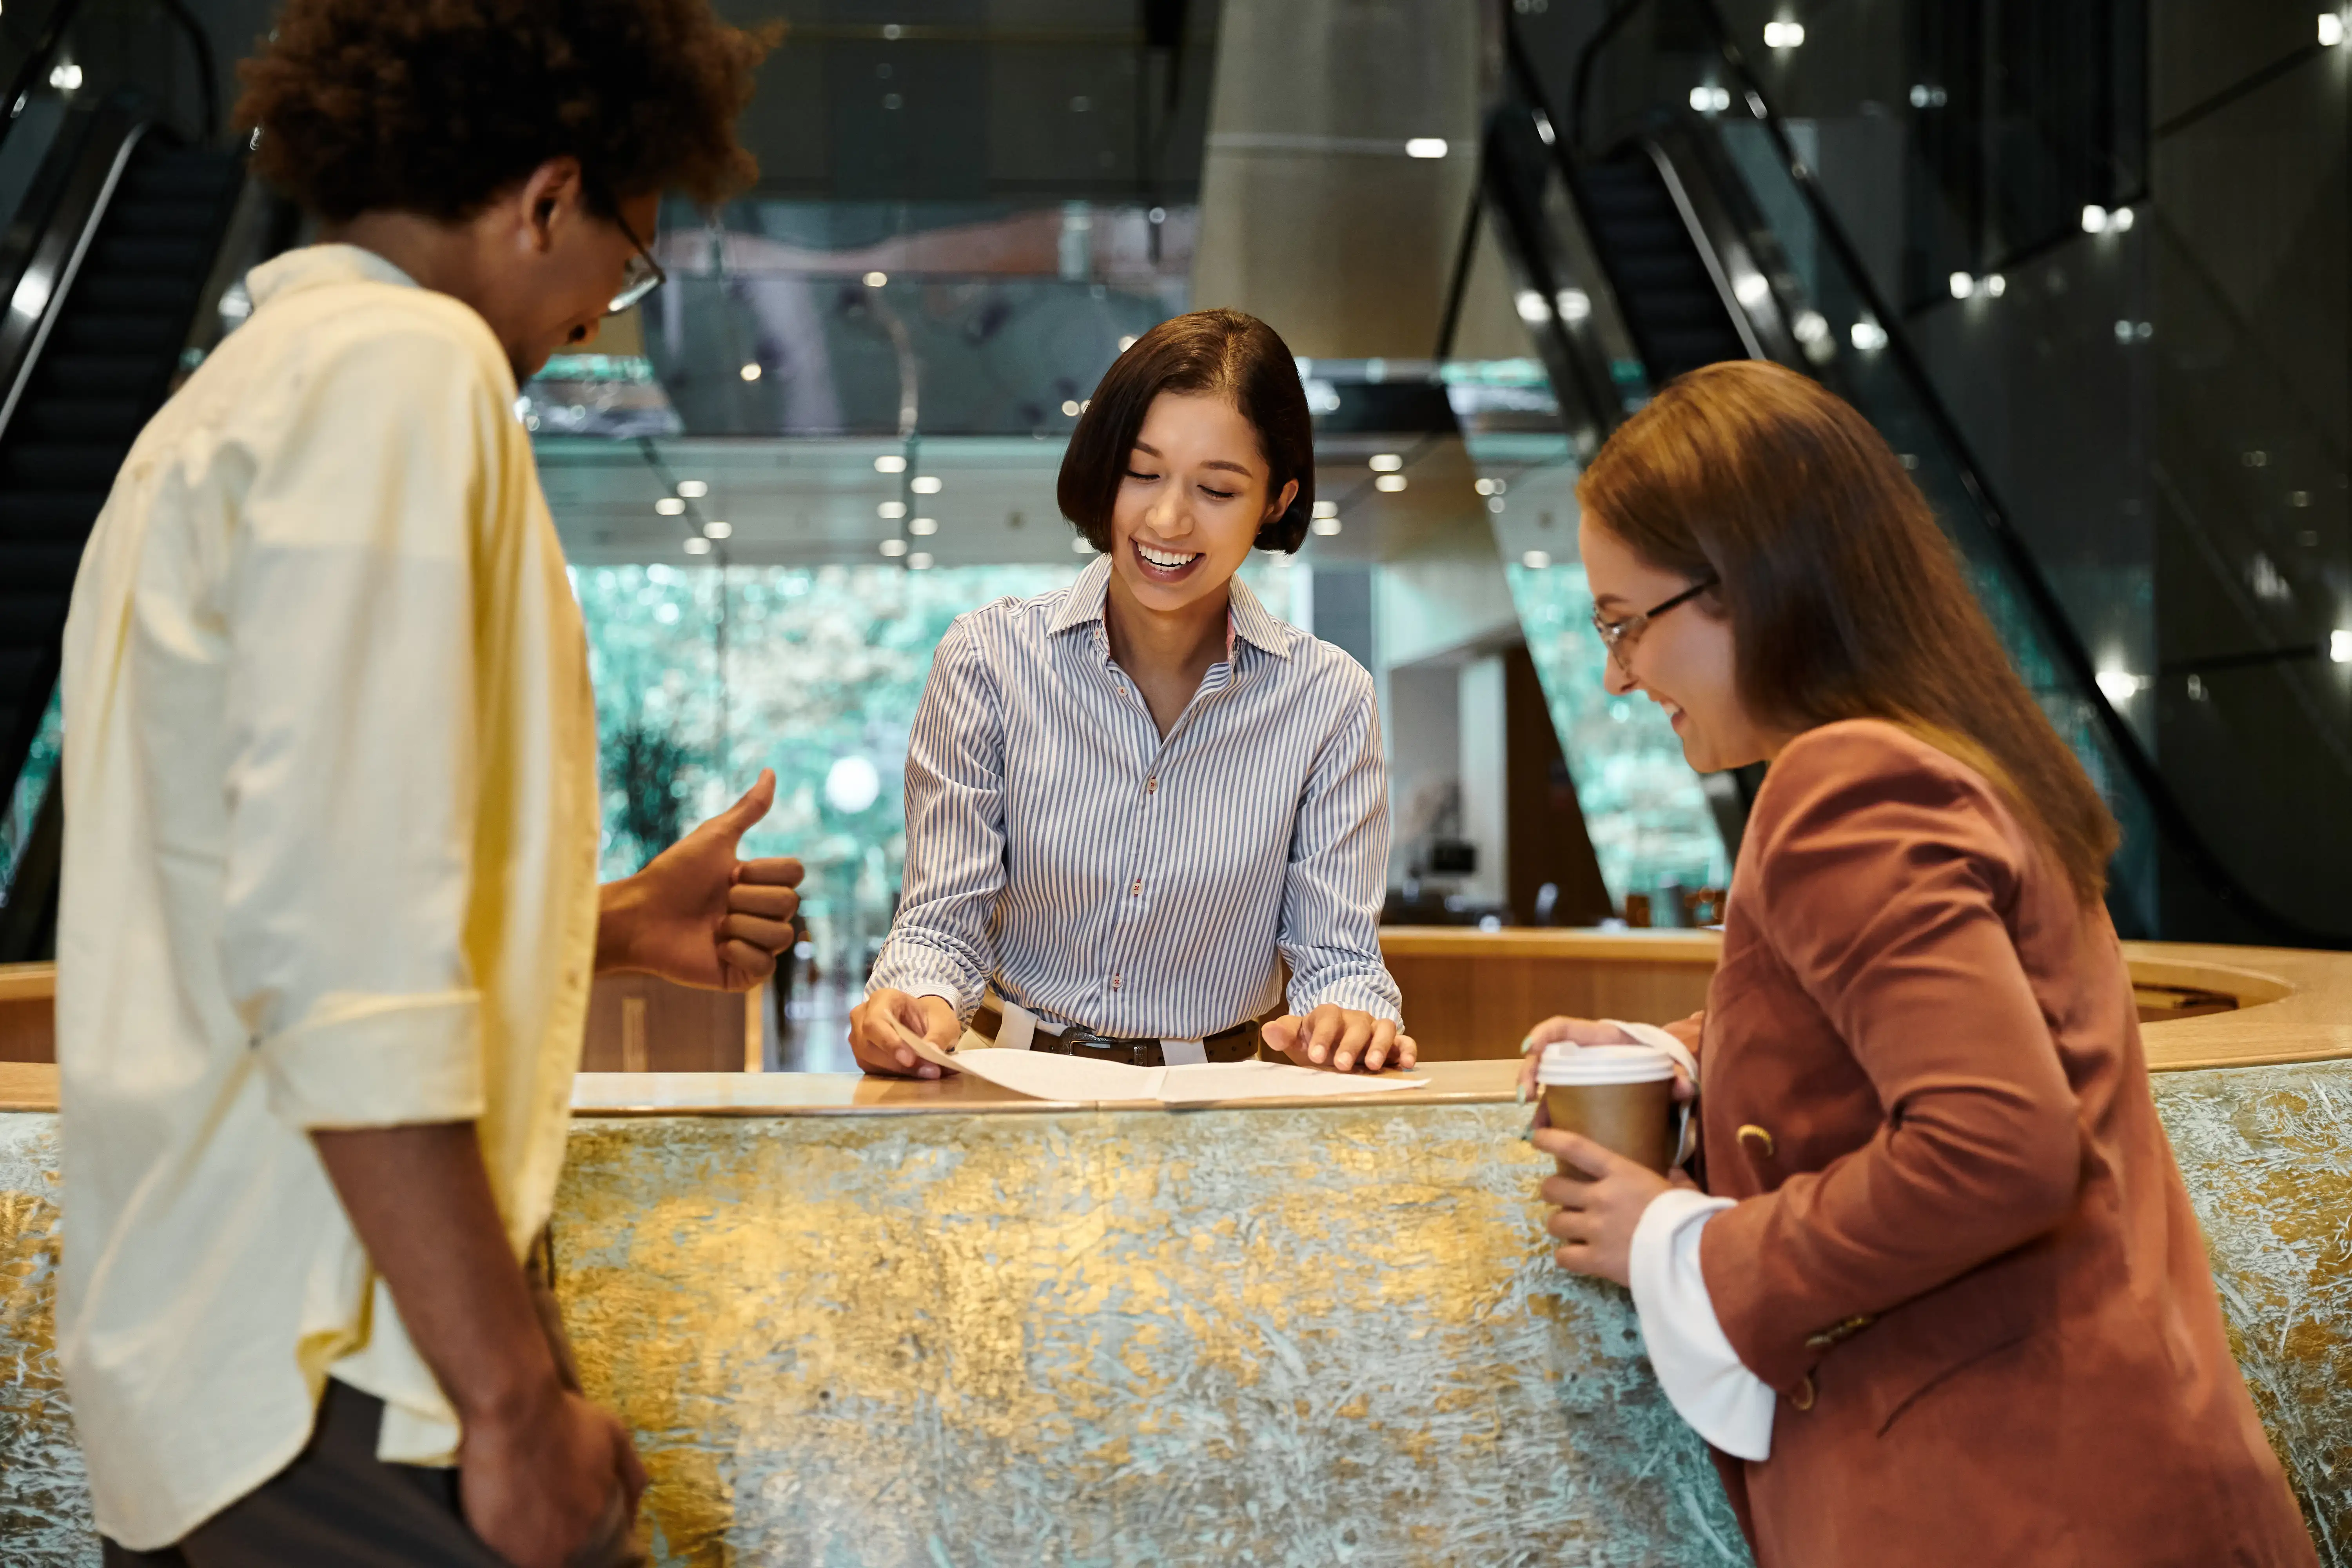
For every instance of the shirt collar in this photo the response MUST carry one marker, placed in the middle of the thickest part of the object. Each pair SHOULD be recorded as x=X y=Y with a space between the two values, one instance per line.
x=1246 y=619
x=314 y=266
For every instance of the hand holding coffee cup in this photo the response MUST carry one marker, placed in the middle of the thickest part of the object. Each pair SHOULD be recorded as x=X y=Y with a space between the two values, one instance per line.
x=1621 y=1097
x=1566 y=1031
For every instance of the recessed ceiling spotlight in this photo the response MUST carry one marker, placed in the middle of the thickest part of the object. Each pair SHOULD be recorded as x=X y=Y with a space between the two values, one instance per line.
x=715 y=529
x=669 y=506
x=1070 y=408
x=920 y=560
x=894 y=548
x=693 y=489
x=1536 y=560
x=2331 y=29
x=1783 y=35
x=875 y=280
x=1389 y=483
x=891 y=510
x=1963 y=285
x=1386 y=463
x=749 y=372
x=1325 y=526
x=1425 y=147
x=698 y=546
x=890 y=463
x=925 y=484
x=1126 y=342
x=1079 y=546
x=1327 y=509
x=923 y=526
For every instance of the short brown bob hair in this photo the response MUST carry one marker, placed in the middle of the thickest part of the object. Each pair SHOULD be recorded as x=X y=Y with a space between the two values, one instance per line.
x=1845 y=599
x=1225 y=352
x=435 y=109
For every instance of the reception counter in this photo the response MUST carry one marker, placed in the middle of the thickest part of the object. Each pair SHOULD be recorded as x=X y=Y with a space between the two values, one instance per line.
x=867 y=1321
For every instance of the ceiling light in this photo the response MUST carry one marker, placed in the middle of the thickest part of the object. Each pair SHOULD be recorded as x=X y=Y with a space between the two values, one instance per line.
x=875 y=280
x=1495 y=504
x=924 y=484
x=1327 y=509
x=1996 y=285
x=2331 y=29
x=1867 y=335
x=1575 y=304
x=749 y=372
x=923 y=526
x=1070 y=408
x=1425 y=147
x=1126 y=343
x=1079 y=546
x=2340 y=645
x=1707 y=99
x=1962 y=285
x=1783 y=35
x=65 y=78
x=1811 y=328
x=894 y=548
x=1325 y=526
x=1386 y=463
x=1388 y=484
x=920 y=560
x=1752 y=290
x=2117 y=685
x=891 y=510
x=698 y=546
x=693 y=489
x=669 y=506
x=2120 y=220
x=715 y=529
x=1536 y=560
x=1485 y=487
x=2095 y=218
x=890 y=463
x=1534 y=309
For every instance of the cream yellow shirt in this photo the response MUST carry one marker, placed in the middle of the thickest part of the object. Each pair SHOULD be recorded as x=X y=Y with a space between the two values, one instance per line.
x=330 y=862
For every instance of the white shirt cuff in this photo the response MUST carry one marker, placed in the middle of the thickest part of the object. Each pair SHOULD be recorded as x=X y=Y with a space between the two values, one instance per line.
x=1725 y=1403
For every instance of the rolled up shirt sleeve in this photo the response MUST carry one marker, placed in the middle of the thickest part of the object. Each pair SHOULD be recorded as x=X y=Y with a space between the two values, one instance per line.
x=1333 y=886
x=941 y=943
x=1723 y=1402
x=350 y=766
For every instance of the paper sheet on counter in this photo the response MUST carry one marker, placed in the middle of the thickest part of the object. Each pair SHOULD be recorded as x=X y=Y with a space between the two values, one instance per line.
x=1047 y=1075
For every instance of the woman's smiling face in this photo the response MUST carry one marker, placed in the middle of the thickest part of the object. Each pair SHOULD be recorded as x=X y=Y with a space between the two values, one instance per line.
x=1190 y=507
x=1684 y=661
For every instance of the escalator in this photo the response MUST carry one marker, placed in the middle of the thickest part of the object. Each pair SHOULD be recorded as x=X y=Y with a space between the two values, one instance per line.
x=1675 y=243
x=107 y=263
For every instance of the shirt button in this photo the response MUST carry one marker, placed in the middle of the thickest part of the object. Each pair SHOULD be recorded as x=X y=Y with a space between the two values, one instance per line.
x=1135 y=889
x=1152 y=786
x=1113 y=981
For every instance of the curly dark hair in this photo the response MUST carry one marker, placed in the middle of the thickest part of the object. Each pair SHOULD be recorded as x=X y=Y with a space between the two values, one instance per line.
x=434 y=106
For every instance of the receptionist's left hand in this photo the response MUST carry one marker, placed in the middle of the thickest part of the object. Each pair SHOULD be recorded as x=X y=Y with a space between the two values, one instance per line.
x=1341 y=1038
x=697 y=915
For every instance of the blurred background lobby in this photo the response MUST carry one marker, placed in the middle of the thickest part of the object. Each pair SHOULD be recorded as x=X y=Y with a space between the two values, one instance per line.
x=2084 y=265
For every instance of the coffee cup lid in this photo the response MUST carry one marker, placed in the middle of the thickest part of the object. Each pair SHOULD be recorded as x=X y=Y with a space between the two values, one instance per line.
x=1572 y=1064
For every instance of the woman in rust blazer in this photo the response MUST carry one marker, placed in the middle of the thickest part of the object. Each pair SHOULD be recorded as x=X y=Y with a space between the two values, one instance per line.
x=1942 y=1299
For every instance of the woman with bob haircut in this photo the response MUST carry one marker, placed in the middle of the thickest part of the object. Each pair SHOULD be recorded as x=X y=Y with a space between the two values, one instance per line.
x=1129 y=801
x=1942 y=1299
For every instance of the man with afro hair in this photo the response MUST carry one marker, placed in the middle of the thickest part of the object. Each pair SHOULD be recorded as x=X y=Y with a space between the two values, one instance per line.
x=330 y=911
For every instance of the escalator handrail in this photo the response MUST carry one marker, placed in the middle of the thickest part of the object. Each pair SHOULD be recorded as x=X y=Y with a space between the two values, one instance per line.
x=52 y=38
x=36 y=66
x=2172 y=820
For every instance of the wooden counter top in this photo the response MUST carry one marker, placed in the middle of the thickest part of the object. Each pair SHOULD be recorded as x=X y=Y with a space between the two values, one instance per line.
x=2293 y=1006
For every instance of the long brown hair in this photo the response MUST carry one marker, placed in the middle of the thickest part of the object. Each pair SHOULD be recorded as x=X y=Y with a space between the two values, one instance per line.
x=1845 y=599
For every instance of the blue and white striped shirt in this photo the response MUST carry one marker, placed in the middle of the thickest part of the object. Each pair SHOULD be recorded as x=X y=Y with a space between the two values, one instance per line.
x=1100 y=875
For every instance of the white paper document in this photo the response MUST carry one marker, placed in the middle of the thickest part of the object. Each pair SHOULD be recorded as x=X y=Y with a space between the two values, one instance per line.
x=1047 y=1075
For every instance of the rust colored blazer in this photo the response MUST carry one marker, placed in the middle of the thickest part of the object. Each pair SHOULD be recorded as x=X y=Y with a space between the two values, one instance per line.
x=1961 y=1251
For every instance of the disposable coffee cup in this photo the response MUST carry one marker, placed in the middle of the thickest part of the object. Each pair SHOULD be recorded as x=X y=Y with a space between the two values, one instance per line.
x=1621 y=1097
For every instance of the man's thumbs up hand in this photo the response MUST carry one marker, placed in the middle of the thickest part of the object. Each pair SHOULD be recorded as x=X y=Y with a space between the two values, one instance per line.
x=700 y=916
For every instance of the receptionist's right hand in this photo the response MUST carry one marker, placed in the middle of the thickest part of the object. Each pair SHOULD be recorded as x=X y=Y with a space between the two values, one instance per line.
x=876 y=1044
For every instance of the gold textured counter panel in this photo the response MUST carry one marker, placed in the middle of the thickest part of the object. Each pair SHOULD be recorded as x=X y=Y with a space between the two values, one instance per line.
x=864 y=1322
